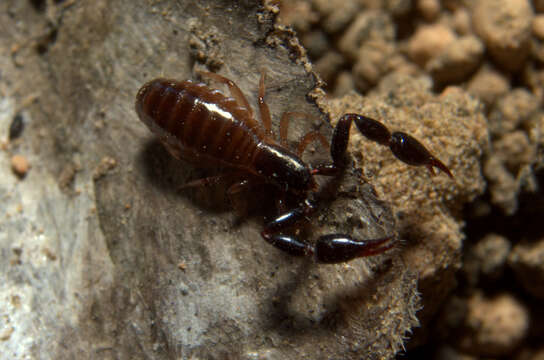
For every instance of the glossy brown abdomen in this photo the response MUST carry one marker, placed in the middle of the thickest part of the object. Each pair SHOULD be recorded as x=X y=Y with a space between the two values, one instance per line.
x=198 y=124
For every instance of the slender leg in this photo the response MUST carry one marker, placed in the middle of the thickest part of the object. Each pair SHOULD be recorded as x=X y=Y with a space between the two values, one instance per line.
x=173 y=150
x=205 y=182
x=239 y=205
x=284 y=123
x=284 y=127
x=233 y=88
x=263 y=107
x=238 y=187
x=308 y=138
x=210 y=181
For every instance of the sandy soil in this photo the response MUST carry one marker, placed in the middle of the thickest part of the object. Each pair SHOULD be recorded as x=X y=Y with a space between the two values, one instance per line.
x=492 y=50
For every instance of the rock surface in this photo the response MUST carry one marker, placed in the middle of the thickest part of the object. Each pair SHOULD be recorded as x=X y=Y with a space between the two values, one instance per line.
x=102 y=256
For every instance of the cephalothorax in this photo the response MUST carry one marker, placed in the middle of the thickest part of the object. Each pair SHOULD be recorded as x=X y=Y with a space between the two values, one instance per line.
x=202 y=126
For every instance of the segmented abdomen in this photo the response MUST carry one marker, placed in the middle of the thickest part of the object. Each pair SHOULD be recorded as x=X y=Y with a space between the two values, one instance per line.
x=201 y=123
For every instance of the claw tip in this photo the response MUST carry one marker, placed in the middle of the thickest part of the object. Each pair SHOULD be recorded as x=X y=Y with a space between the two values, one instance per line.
x=439 y=165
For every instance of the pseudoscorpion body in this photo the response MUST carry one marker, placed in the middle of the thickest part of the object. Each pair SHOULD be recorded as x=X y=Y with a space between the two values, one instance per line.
x=203 y=126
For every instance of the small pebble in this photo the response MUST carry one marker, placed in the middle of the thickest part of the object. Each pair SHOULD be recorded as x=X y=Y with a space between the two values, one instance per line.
x=488 y=85
x=494 y=326
x=502 y=185
x=491 y=253
x=297 y=14
x=512 y=110
x=429 y=41
x=514 y=149
x=341 y=17
x=537 y=41
x=106 y=164
x=429 y=9
x=459 y=60
x=505 y=28
x=461 y=21
x=538 y=26
x=19 y=165
x=16 y=128
x=369 y=26
x=527 y=261
x=375 y=59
